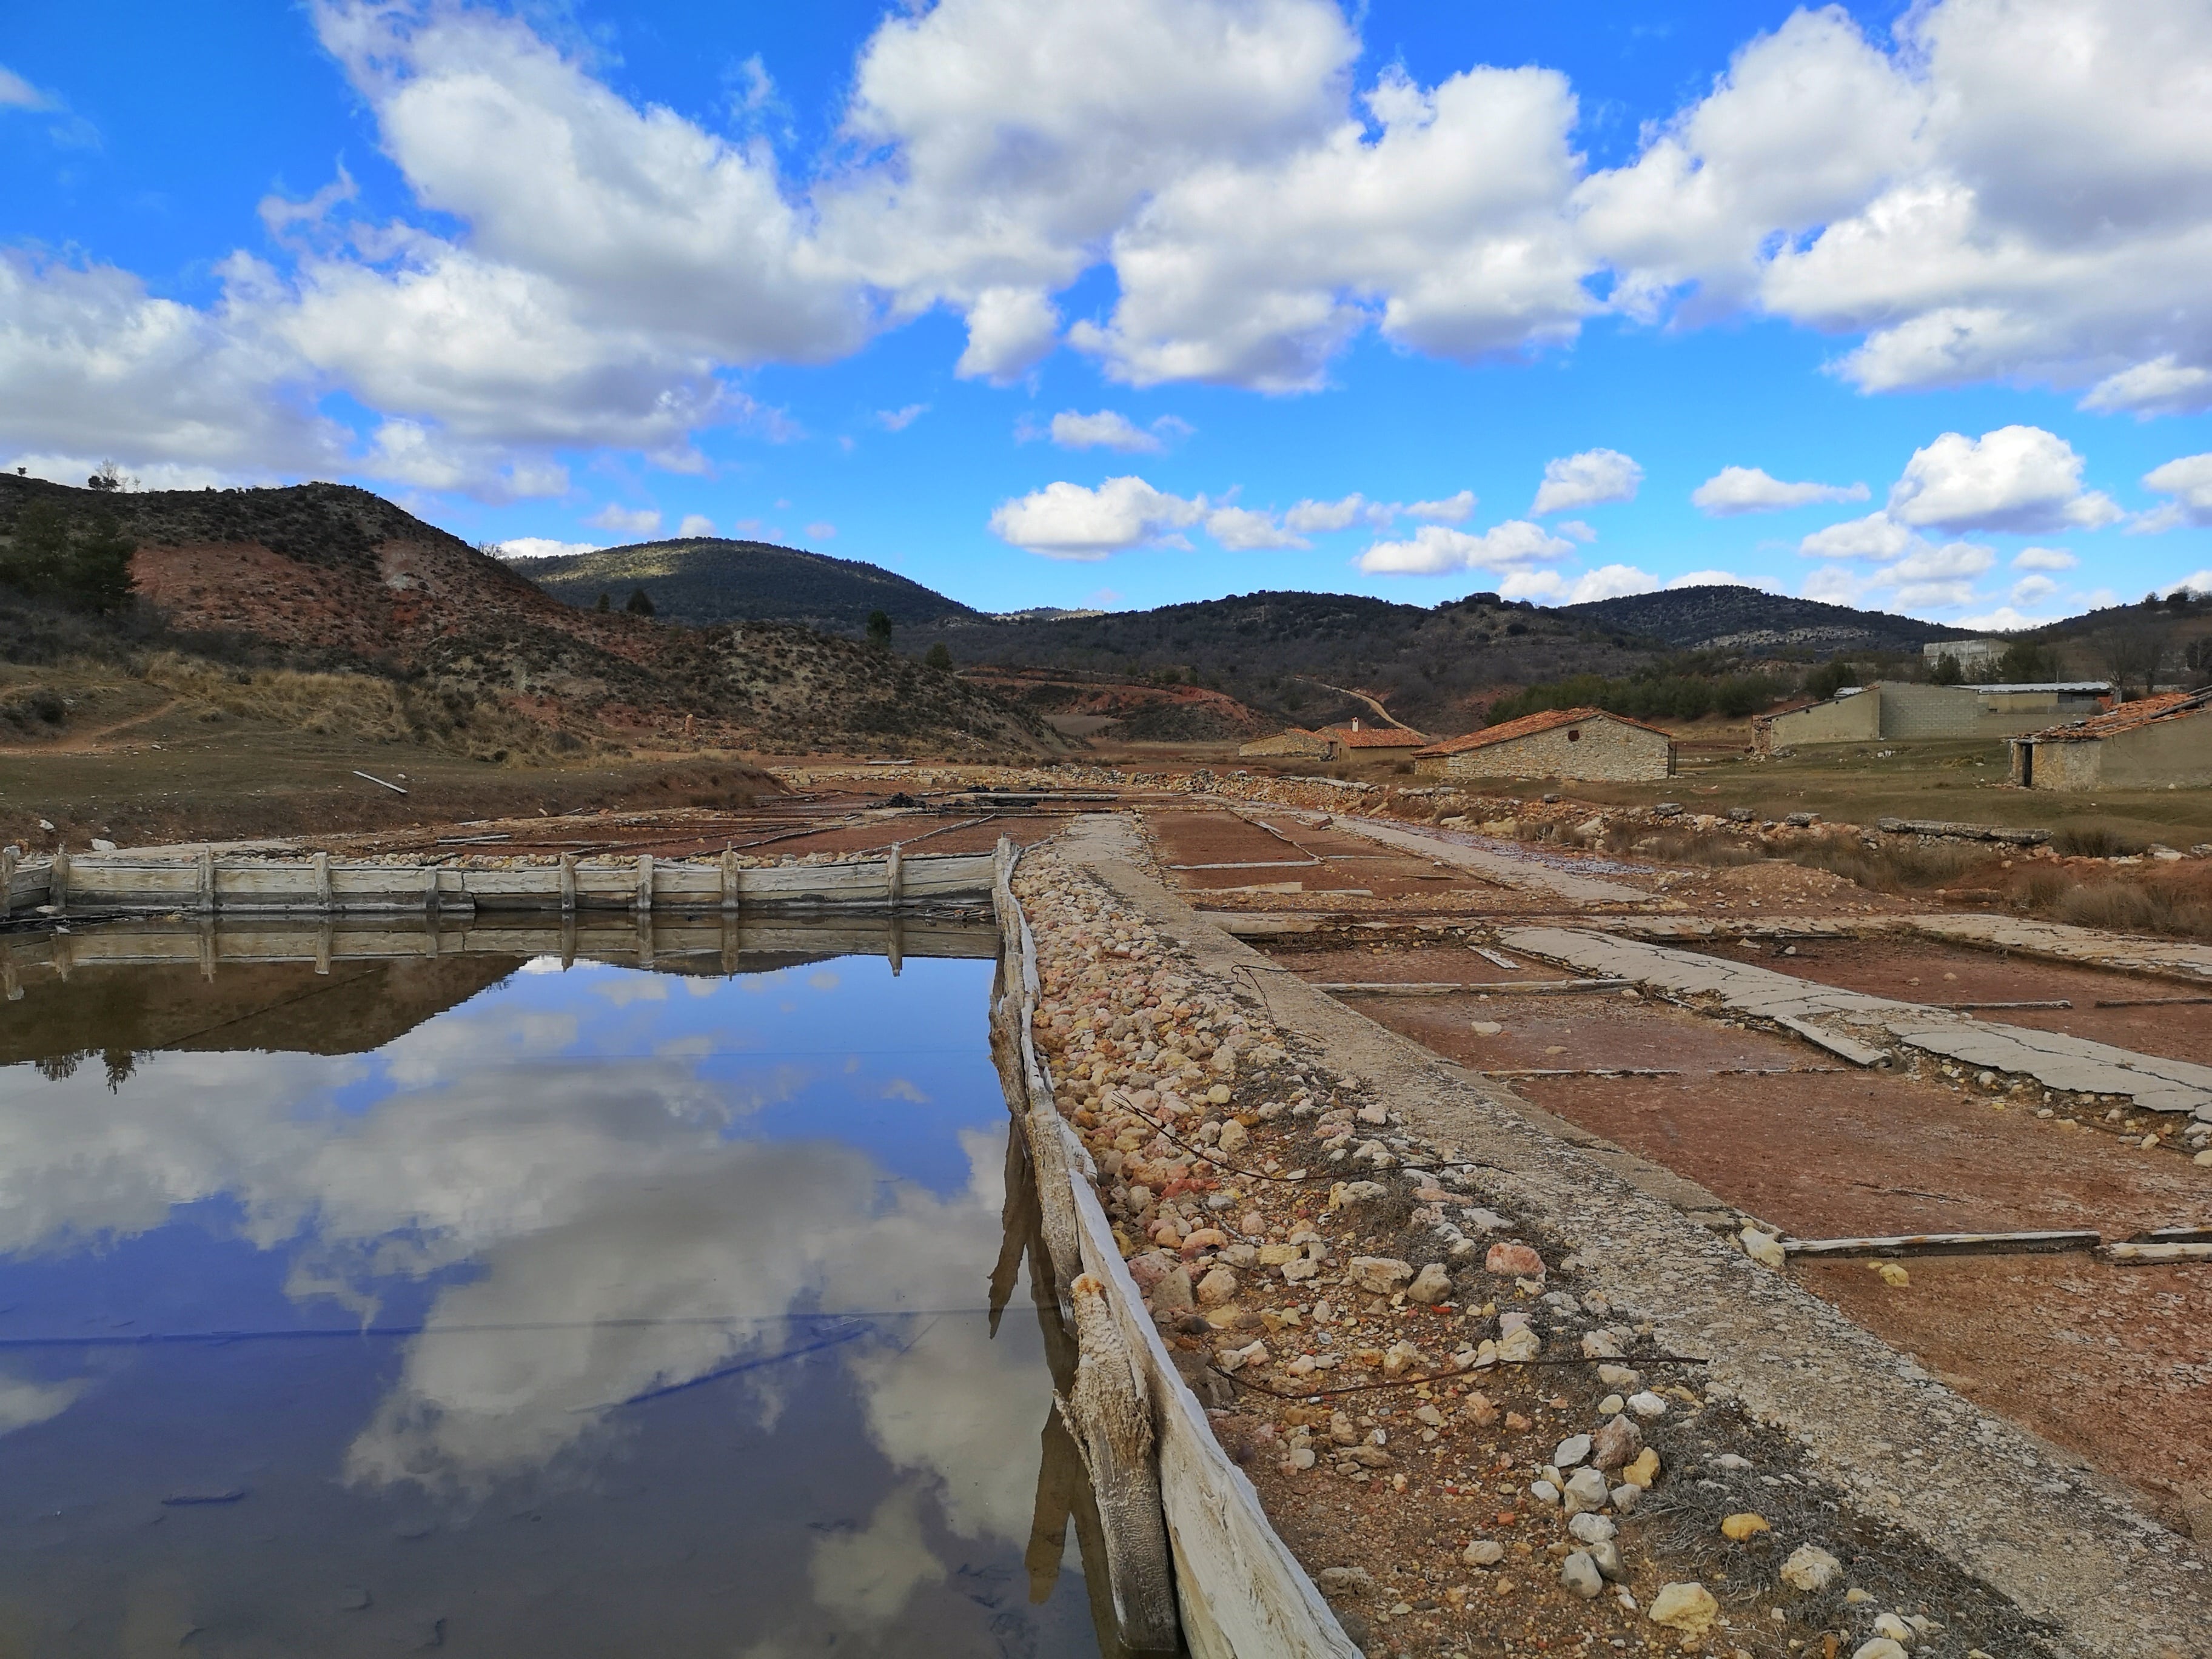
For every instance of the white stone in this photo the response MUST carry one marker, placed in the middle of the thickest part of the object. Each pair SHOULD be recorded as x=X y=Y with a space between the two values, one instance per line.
x=1573 y=1450
x=1810 y=1568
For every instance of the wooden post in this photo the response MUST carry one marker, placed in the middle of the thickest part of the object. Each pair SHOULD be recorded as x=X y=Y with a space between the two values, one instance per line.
x=731 y=884
x=207 y=879
x=57 y=892
x=644 y=882
x=891 y=874
x=1111 y=1420
x=567 y=885
x=9 y=858
x=322 y=865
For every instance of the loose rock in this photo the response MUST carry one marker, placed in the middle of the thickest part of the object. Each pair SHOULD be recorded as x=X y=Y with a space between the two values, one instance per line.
x=1483 y=1553
x=1615 y=1444
x=1810 y=1568
x=1689 y=1608
x=1580 y=1574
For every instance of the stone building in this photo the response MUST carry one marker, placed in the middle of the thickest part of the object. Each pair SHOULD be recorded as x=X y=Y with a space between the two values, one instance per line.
x=1905 y=710
x=1558 y=743
x=2159 y=742
x=1972 y=656
x=1296 y=744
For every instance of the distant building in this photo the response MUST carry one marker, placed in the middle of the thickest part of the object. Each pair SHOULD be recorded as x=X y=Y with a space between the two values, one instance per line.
x=1331 y=742
x=1906 y=710
x=2165 y=739
x=1972 y=656
x=1559 y=743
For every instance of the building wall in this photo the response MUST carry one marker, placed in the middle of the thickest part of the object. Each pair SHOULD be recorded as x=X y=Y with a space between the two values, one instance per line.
x=1605 y=750
x=1931 y=711
x=2152 y=756
x=1286 y=744
x=1855 y=719
x=2069 y=766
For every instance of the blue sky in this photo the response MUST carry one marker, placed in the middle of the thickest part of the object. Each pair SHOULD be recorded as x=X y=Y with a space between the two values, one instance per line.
x=1129 y=301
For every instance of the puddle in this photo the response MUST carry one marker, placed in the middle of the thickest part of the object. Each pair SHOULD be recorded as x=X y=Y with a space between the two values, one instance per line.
x=468 y=1302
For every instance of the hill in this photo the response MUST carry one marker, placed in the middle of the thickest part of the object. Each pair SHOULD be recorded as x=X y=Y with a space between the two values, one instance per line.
x=712 y=580
x=345 y=613
x=1745 y=619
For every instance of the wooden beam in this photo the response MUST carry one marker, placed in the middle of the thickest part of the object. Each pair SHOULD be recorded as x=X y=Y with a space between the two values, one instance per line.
x=2030 y=1243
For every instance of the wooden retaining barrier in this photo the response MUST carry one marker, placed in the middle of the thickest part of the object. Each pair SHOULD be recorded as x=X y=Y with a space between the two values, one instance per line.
x=204 y=884
x=1241 y=1592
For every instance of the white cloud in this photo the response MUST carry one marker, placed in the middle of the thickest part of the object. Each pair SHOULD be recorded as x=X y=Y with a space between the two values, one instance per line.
x=2197 y=581
x=822 y=531
x=2018 y=478
x=1452 y=509
x=1723 y=579
x=2031 y=590
x=1010 y=331
x=2044 y=558
x=1310 y=516
x=897 y=420
x=2188 y=482
x=541 y=547
x=2002 y=620
x=1737 y=489
x=1068 y=521
x=695 y=523
x=1435 y=548
x=1574 y=530
x=16 y=93
x=2018 y=190
x=1545 y=586
x=1107 y=430
x=1590 y=479
x=1243 y=530
x=1877 y=535
x=627 y=520
x=2165 y=386
x=1951 y=561
x=1611 y=581
x=1836 y=584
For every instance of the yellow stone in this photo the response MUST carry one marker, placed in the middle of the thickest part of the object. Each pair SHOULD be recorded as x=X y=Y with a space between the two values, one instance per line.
x=1893 y=1275
x=1645 y=1470
x=1737 y=1528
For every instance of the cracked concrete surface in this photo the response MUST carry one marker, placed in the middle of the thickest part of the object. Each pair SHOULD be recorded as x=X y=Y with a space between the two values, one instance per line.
x=2063 y=1541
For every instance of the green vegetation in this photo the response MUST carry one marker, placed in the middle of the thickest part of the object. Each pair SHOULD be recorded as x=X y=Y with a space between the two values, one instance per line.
x=879 y=630
x=712 y=580
x=1680 y=688
x=939 y=658
x=640 y=604
x=85 y=566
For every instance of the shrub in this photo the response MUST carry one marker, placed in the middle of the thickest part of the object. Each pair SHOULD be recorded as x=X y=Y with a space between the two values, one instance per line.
x=2096 y=841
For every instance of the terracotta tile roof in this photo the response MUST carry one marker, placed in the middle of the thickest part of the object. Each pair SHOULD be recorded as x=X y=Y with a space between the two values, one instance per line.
x=2168 y=705
x=1375 y=737
x=1529 y=724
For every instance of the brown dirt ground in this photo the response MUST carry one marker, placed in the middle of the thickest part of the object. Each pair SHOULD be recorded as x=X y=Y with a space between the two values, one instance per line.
x=1920 y=971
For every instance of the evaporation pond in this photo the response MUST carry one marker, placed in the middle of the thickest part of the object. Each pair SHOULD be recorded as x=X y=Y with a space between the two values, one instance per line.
x=480 y=1305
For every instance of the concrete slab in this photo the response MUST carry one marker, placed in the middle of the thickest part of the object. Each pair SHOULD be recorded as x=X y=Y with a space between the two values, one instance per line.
x=1819 y=1011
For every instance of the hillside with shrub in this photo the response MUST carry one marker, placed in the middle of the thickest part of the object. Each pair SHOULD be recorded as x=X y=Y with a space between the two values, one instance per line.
x=330 y=607
x=709 y=580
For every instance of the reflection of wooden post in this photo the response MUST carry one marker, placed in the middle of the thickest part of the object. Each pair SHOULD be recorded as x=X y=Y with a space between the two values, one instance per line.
x=9 y=859
x=322 y=863
x=1107 y=1414
x=207 y=949
x=568 y=883
x=9 y=981
x=207 y=879
x=568 y=940
x=897 y=947
x=644 y=882
x=645 y=938
x=58 y=893
x=729 y=943
x=322 y=946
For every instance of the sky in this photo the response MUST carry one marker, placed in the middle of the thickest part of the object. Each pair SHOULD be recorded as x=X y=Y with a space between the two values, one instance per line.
x=1124 y=302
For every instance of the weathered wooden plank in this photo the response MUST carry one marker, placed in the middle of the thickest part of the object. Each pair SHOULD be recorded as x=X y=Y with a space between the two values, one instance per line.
x=2027 y=1243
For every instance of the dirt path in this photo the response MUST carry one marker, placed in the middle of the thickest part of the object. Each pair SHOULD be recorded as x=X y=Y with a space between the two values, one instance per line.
x=89 y=743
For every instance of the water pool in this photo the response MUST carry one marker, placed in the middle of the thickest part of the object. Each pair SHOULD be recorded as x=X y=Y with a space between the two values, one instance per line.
x=476 y=1304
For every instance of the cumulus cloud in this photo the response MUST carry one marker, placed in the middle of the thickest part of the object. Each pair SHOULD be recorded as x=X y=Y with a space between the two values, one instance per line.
x=1590 y=479
x=897 y=420
x=2044 y=558
x=1611 y=581
x=1310 y=516
x=1069 y=521
x=2198 y=582
x=1877 y=535
x=695 y=523
x=2165 y=386
x=2031 y=590
x=1243 y=530
x=1435 y=548
x=822 y=531
x=1108 y=430
x=2188 y=480
x=2002 y=620
x=1738 y=490
x=627 y=520
x=1010 y=331
x=2016 y=190
x=541 y=547
x=2018 y=478
x=1452 y=509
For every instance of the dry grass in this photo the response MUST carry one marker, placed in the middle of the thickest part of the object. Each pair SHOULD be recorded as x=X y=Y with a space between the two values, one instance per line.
x=365 y=706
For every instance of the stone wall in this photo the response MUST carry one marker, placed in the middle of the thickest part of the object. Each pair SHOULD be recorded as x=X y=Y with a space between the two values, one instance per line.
x=1596 y=749
x=1855 y=719
x=2176 y=751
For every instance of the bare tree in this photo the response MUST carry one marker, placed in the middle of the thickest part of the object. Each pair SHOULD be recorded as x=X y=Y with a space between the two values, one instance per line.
x=2134 y=653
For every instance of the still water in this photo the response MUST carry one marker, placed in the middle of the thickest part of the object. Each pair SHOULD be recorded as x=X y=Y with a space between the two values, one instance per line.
x=493 y=1307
